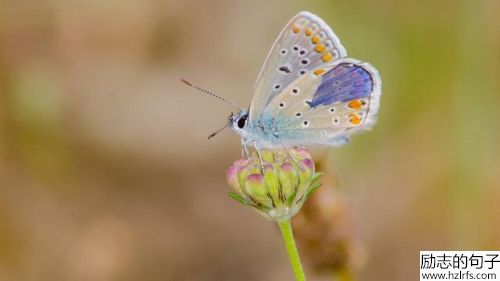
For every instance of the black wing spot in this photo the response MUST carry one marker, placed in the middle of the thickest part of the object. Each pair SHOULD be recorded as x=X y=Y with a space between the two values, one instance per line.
x=285 y=69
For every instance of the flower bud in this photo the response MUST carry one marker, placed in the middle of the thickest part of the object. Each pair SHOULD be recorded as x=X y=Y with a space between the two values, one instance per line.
x=255 y=188
x=273 y=185
x=276 y=184
x=288 y=179
x=232 y=178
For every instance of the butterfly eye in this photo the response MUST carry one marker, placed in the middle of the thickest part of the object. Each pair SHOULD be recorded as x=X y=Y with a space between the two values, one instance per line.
x=242 y=122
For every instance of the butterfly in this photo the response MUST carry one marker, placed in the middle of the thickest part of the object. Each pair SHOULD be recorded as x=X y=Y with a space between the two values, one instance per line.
x=308 y=91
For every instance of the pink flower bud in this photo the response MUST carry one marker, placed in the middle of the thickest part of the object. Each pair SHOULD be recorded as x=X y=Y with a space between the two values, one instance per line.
x=278 y=186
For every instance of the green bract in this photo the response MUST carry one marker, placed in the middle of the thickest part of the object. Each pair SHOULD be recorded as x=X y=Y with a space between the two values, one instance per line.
x=279 y=186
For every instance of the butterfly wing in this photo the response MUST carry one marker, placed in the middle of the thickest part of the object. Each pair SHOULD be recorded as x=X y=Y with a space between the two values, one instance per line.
x=327 y=104
x=304 y=43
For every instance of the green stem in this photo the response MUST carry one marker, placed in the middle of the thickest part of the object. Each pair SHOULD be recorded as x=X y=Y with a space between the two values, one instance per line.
x=293 y=254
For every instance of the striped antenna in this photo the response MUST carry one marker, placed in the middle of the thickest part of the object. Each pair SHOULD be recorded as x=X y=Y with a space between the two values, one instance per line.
x=209 y=93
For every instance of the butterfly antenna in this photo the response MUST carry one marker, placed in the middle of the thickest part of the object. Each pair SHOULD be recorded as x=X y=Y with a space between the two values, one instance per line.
x=216 y=132
x=209 y=93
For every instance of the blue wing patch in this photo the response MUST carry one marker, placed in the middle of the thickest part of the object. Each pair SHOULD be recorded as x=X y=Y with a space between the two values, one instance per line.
x=343 y=83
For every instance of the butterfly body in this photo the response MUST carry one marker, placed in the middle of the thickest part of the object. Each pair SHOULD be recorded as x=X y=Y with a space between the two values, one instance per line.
x=308 y=91
x=273 y=132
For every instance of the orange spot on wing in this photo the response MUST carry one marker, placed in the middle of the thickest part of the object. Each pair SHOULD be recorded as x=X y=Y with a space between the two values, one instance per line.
x=354 y=118
x=315 y=39
x=308 y=32
x=355 y=104
x=295 y=29
x=320 y=48
x=327 y=57
x=319 y=71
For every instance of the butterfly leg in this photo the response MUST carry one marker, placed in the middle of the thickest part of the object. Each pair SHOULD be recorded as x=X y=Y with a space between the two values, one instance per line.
x=244 y=150
x=261 y=162
x=301 y=167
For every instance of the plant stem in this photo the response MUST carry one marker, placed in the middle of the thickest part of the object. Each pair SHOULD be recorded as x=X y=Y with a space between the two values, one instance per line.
x=293 y=254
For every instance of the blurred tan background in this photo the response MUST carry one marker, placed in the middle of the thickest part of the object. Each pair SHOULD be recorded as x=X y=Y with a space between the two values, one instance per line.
x=106 y=172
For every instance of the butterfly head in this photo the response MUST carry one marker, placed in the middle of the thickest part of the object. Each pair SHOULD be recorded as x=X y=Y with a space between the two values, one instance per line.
x=239 y=121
